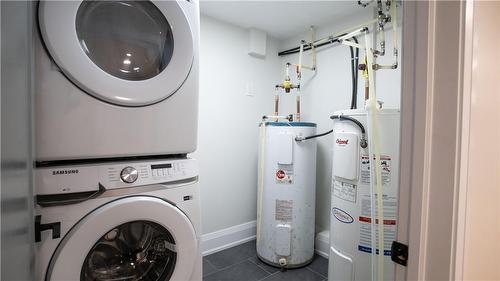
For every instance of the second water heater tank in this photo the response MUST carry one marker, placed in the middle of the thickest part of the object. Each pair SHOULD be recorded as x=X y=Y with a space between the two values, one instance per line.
x=286 y=194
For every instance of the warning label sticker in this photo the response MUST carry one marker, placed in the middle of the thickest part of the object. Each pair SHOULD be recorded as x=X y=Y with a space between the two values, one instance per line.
x=284 y=175
x=345 y=191
x=284 y=210
x=385 y=164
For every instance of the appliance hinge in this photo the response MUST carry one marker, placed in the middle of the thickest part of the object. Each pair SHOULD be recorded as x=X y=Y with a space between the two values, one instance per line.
x=55 y=227
x=399 y=253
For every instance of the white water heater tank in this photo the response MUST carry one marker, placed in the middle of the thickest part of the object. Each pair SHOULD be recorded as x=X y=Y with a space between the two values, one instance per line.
x=350 y=217
x=286 y=194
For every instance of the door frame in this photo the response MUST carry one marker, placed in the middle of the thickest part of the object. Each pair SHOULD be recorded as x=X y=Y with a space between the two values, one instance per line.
x=432 y=136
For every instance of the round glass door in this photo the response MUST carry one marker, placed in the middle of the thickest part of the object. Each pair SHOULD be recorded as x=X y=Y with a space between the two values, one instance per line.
x=130 y=53
x=129 y=239
x=139 y=250
x=131 y=40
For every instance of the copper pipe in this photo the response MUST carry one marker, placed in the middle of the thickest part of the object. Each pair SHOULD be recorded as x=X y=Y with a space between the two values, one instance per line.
x=367 y=90
x=298 y=108
x=276 y=105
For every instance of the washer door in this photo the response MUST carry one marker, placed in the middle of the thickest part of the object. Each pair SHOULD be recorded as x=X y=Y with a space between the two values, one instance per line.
x=134 y=238
x=130 y=53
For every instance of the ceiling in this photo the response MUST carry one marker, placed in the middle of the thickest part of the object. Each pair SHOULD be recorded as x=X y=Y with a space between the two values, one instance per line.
x=280 y=19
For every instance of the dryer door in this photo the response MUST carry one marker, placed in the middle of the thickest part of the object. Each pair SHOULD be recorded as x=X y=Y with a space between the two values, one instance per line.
x=130 y=53
x=134 y=238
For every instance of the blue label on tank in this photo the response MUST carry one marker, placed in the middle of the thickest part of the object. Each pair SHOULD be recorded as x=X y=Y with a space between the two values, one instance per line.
x=369 y=250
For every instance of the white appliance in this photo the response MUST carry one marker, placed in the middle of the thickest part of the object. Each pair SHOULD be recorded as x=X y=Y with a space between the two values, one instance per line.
x=351 y=217
x=118 y=221
x=286 y=194
x=116 y=78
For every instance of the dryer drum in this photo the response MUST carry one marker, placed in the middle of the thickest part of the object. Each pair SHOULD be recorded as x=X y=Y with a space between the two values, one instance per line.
x=137 y=250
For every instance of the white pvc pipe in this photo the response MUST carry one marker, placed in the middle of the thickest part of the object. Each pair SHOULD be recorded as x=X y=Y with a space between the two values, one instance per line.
x=370 y=157
x=375 y=169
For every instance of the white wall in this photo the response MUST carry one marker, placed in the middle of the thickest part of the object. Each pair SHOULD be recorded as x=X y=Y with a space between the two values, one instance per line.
x=330 y=90
x=227 y=145
x=228 y=122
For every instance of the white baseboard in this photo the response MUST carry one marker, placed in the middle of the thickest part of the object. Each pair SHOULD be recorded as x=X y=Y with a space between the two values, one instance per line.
x=235 y=235
x=228 y=237
x=322 y=243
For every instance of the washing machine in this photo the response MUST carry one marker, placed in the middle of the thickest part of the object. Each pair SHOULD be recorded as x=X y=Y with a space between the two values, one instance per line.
x=115 y=79
x=118 y=221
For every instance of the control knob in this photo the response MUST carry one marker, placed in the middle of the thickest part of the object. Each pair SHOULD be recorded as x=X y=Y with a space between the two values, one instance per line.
x=129 y=174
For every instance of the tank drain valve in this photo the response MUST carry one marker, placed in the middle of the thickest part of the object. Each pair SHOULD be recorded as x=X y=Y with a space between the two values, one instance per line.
x=282 y=262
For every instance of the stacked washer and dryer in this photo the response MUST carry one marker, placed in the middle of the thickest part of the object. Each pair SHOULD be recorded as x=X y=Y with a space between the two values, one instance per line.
x=116 y=104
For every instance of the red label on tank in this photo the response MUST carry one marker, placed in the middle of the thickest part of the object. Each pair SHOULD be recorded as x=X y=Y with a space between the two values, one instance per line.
x=280 y=174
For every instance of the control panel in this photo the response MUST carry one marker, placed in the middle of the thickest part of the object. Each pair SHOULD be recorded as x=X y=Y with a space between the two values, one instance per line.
x=85 y=178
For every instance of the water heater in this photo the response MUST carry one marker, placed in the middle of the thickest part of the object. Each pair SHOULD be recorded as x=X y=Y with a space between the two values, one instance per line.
x=351 y=213
x=286 y=194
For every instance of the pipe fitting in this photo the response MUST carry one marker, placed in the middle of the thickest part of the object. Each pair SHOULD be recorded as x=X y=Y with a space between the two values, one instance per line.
x=363 y=143
x=282 y=262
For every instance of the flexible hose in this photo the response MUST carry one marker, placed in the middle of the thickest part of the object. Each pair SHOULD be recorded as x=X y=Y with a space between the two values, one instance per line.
x=354 y=74
x=313 y=136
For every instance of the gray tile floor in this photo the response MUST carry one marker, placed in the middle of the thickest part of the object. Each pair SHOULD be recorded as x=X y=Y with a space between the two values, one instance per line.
x=240 y=263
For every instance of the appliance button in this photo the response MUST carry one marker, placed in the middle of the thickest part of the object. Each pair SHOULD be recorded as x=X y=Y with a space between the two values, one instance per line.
x=129 y=174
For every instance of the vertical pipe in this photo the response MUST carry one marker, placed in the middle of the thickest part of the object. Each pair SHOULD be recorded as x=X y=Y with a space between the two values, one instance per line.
x=276 y=106
x=367 y=88
x=298 y=108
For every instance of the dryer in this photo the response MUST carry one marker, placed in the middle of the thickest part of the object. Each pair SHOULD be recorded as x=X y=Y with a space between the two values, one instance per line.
x=116 y=79
x=118 y=221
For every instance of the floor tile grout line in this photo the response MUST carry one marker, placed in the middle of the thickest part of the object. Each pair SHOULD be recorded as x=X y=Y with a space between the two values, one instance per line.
x=229 y=266
x=317 y=273
x=210 y=263
x=259 y=266
x=269 y=276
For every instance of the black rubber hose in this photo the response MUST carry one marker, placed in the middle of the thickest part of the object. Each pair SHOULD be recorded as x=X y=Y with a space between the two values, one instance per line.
x=342 y=117
x=353 y=79
x=356 y=75
x=363 y=142
x=313 y=136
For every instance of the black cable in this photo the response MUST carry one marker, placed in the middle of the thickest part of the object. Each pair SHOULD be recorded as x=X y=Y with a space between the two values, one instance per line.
x=356 y=75
x=342 y=117
x=363 y=142
x=313 y=136
x=353 y=78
